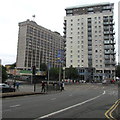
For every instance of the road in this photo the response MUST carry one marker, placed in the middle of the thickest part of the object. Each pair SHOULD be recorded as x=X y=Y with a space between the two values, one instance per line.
x=76 y=101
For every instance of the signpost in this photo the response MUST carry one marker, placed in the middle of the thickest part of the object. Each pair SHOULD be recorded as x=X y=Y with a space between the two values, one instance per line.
x=60 y=57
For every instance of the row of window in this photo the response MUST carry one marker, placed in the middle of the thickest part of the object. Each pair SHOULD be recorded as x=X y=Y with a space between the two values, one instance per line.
x=95 y=18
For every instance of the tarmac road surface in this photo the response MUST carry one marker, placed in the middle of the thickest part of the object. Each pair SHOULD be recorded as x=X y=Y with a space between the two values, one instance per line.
x=76 y=101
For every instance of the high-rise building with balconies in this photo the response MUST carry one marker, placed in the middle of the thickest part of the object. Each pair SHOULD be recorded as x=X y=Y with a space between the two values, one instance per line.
x=37 y=45
x=89 y=33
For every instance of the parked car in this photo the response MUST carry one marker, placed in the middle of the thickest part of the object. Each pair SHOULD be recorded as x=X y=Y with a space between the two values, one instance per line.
x=6 y=88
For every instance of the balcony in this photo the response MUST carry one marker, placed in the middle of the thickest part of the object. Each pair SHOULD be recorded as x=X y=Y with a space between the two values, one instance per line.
x=113 y=52
x=112 y=42
x=107 y=57
x=111 y=23
x=113 y=62
x=107 y=47
x=105 y=23
x=107 y=8
x=106 y=32
x=106 y=42
x=64 y=31
x=107 y=62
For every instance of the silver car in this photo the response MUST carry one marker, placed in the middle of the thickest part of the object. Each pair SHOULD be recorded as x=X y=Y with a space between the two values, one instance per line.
x=6 y=88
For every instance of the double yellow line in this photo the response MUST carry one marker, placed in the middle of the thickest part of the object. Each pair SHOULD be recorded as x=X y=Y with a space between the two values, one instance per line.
x=109 y=112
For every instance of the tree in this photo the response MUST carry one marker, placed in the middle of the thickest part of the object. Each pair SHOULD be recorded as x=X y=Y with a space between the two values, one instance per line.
x=118 y=70
x=71 y=73
x=4 y=74
x=43 y=67
x=12 y=66
x=54 y=73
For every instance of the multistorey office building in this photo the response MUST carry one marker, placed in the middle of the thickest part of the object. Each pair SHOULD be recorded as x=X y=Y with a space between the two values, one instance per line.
x=89 y=33
x=37 y=45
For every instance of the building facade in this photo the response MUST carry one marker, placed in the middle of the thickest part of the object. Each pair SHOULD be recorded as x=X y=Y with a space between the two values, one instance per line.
x=37 y=45
x=119 y=32
x=89 y=33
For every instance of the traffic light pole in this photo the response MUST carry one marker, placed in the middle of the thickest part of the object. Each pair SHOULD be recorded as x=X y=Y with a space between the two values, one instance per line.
x=33 y=77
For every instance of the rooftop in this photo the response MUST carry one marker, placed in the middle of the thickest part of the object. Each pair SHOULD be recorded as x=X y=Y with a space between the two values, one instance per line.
x=88 y=5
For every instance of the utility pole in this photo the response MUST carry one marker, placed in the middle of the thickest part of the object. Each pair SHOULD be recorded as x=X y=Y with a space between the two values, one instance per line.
x=33 y=77
x=64 y=73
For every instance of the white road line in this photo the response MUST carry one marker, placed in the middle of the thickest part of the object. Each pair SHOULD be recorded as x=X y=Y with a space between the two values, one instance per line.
x=45 y=116
x=53 y=99
x=15 y=106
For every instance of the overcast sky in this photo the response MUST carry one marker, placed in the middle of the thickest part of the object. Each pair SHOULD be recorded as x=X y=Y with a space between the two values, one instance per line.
x=49 y=14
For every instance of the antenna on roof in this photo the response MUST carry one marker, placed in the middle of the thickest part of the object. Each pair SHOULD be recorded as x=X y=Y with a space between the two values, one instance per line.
x=33 y=16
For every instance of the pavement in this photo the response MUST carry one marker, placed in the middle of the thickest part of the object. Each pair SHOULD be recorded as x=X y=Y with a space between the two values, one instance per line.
x=29 y=89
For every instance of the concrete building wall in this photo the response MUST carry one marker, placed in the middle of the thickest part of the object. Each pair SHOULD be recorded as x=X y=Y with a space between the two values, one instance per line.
x=21 y=46
x=37 y=45
x=89 y=32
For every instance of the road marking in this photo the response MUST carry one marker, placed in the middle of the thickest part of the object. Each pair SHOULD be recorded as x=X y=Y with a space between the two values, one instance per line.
x=109 y=112
x=15 y=106
x=59 y=111
x=53 y=99
x=7 y=110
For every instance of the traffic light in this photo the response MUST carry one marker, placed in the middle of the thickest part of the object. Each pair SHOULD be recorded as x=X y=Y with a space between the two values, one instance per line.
x=33 y=70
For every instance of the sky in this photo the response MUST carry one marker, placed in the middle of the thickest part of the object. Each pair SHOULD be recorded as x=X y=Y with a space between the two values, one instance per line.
x=48 y=13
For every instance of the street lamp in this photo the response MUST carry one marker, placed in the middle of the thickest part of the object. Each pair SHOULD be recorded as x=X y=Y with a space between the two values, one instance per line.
x=64 y=73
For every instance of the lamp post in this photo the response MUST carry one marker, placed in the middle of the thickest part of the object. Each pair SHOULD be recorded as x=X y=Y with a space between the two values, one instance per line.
x=64 y=73
x=59 y=73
